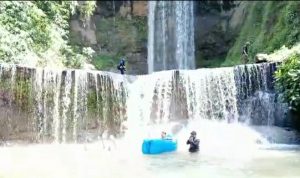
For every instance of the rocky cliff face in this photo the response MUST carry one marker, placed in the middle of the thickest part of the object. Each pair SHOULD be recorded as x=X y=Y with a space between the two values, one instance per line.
x=119 y=28
x=216 y=30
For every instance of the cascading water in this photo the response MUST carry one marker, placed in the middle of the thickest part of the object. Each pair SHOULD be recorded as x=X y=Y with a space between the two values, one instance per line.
x=80 y=106
x=173 y=95
x=206 y=100
x=59 y=105
x=171 y=35
x=258 y=103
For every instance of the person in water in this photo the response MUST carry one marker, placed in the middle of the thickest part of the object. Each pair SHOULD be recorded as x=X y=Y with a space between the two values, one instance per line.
x=121 y=67
x=166 y=136
x=163 y=135
x=193 y=142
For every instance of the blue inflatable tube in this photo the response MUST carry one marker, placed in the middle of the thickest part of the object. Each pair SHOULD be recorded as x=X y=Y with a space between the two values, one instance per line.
x=157 y=146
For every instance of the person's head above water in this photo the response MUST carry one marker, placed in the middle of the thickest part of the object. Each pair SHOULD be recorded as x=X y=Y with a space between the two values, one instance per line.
x=163 y=134
x=193 y=133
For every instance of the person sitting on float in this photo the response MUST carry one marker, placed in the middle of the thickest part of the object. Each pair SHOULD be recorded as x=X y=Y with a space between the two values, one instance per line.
x=165 y=136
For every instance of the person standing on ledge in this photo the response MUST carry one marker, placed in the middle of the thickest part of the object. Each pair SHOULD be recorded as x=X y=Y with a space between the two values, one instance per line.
x=193 y=142
x=121 y=66
x=245 y=53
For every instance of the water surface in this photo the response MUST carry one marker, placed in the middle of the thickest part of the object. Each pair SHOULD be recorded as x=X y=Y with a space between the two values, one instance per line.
x=91 y=160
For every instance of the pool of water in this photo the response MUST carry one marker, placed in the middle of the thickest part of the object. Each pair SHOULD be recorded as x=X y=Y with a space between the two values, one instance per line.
x=93 y=161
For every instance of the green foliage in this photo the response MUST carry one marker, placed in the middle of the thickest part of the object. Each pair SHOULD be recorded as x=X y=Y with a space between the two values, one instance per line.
x=23 y=29
x=58 y=12
x=105 y=61
x=40 y=30
x=249 y=32
x=76 y=55
x=266 y=30
x=288 y=81
x=210 y=63
x=87 y=9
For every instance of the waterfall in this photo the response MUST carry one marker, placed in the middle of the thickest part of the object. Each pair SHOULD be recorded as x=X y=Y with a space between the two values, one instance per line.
x=258 y=102
x=66 y=101
x=176 y=95
x=243 y=94
x=48 y=105
x=171 y=35
x=56 y=110
x=58 y=105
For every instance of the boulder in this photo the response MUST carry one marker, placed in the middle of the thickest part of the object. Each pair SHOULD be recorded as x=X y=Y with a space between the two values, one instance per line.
x=88 y=66
x=260 y=58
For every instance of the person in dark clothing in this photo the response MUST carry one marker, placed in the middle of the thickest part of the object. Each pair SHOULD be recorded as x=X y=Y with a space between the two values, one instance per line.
x=193 y=142
x=246 y=52
x=121 y=66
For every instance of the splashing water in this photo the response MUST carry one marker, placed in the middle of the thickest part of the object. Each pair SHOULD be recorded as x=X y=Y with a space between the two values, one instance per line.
x=78 y=105
x=217 y=103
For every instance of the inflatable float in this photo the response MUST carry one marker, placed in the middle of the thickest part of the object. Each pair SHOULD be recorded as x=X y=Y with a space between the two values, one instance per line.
x=157 y=146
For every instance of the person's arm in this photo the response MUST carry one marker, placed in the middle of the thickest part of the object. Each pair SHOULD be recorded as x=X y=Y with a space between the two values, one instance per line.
x=196 y=142
x=190 y=140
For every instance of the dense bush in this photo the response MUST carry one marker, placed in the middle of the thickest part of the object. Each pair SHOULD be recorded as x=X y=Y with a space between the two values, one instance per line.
x=288 y=81
x=39 y=30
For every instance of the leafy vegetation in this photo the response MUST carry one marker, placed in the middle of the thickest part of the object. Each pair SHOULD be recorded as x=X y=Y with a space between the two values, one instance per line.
x=103 y=61
x=39 y=31
x=288 y=81
x=267 y=31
